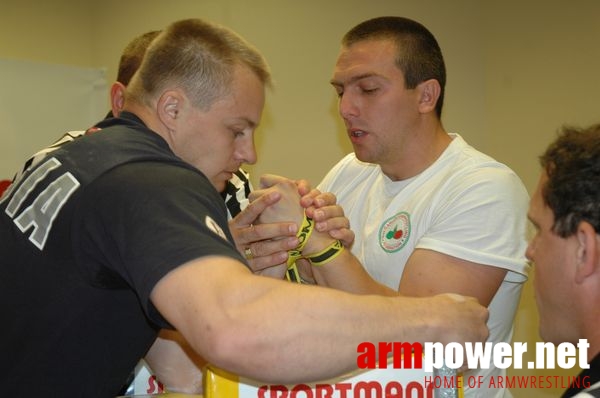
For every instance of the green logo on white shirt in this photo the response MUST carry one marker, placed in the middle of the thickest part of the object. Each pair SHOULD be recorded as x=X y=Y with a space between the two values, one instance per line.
x=394 y=232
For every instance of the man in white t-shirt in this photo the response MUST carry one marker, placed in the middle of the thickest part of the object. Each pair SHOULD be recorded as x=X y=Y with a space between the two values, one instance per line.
x=431 y=214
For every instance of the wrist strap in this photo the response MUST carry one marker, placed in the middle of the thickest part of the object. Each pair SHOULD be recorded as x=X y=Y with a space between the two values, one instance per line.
x=303 y=234
x=292 y=274
x=327 y=254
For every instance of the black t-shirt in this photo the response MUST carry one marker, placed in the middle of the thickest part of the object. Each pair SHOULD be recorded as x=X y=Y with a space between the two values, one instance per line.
x=84 y=238
x=588 y=377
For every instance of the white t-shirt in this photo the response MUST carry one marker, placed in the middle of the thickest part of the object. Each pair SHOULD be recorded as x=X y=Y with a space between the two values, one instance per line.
x=466 y=205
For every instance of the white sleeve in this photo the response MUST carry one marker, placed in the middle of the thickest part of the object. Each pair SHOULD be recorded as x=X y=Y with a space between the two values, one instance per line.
x=483 y=220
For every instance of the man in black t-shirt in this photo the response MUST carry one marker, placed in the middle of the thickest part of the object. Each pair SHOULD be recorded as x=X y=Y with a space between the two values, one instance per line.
x=253 y=238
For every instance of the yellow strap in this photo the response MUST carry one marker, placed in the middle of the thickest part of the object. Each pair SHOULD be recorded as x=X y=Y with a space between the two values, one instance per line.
x=327 y=254
x=303 y=234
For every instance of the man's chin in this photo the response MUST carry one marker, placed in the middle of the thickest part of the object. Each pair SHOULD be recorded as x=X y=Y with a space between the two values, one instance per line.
x=219 y=186
x=220 y=181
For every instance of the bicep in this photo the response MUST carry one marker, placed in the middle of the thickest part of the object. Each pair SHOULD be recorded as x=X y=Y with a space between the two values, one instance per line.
x=428 y=273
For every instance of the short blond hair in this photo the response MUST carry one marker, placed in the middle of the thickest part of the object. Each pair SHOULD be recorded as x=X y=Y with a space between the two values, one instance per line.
x=132 y=56
x=199 y=57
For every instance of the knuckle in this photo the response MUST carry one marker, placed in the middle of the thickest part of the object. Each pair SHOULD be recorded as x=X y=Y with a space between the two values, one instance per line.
x=257 y=249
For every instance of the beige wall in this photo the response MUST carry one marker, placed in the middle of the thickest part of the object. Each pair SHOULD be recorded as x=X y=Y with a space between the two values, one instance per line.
x=517 y=70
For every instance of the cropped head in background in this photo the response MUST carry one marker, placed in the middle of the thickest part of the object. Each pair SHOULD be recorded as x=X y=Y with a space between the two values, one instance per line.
x=565 y=250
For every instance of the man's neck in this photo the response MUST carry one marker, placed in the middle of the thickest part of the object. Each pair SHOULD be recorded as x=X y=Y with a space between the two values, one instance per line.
x=419 y=153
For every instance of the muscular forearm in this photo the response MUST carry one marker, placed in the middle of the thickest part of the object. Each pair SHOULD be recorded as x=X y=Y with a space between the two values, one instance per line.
x=281 y=332
x=346 y=273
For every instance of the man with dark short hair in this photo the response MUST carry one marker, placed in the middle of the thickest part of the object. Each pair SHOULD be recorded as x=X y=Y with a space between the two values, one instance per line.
x=430 y=213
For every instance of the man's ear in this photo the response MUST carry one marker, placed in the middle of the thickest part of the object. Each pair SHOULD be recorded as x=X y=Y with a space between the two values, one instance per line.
x=169 y=106
x=429 y=93
x=588 y=252
x=117 y=98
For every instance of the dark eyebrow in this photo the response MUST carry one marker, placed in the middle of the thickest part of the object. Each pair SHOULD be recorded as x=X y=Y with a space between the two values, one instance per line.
x=353 y=79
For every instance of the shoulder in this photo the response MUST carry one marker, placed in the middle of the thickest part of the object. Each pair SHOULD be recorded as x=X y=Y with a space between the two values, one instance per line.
x=348 y=171
x=153 y=197
x=473 y=170
x=350 y=161
x=155 y=179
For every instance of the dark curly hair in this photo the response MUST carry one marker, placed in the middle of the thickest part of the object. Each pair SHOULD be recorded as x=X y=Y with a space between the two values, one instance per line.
x=572 y=163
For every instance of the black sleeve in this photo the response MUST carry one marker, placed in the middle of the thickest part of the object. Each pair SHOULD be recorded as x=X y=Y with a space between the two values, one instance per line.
x=142 y=220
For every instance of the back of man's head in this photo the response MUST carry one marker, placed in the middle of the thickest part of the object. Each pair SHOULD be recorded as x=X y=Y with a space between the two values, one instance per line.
x=198 y=57
x=132 y=56
x=572 y=191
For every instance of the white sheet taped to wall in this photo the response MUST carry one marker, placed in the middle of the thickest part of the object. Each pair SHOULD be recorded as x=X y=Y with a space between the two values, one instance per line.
x=40 y=102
